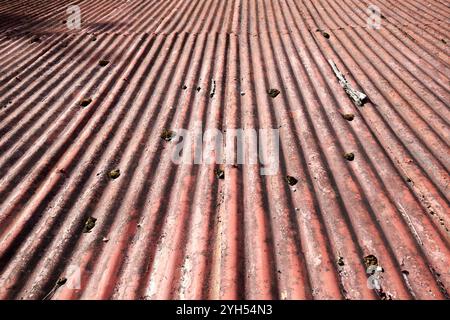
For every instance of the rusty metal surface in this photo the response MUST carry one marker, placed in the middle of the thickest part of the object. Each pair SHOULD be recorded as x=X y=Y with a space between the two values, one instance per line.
x=167 y=231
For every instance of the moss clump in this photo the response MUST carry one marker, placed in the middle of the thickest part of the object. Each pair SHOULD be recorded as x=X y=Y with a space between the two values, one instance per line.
x=350 y=156
x=273 y=92
x=348 y=116
x=370 y=260
x=291 y=180
x=114 y=174
x=89 y=224
x=85 y=102
x=35 y=39
x=168 y=135
x=220 y=174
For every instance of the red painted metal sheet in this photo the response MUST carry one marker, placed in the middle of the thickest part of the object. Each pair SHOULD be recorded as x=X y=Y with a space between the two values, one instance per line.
x=177 y=231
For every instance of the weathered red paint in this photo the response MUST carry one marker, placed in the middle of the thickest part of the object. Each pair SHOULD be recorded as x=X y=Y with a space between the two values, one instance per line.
x=167 y=231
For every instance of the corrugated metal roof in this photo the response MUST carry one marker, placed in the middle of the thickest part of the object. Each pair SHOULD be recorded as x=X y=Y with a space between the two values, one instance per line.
x=167 y=231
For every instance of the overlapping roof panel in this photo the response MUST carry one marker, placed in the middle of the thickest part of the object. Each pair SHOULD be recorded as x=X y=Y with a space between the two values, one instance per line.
x=177 y=231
